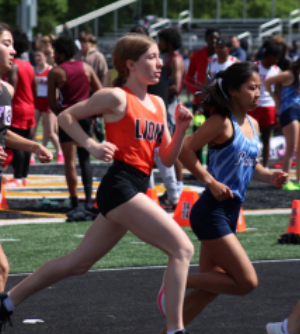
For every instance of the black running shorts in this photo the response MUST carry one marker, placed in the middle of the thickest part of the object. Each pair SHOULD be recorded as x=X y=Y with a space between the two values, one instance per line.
x=86 y=125
x=121 y=183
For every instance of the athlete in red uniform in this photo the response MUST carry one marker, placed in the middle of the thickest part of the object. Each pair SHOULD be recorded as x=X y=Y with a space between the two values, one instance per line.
x=136 y=122
x=42 y=109
x=22 y=78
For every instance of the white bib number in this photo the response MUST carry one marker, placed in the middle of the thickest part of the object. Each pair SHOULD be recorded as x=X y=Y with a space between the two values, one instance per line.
x=6 y=115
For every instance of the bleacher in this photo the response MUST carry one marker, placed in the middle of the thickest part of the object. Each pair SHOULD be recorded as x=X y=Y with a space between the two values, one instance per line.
x=193 y=30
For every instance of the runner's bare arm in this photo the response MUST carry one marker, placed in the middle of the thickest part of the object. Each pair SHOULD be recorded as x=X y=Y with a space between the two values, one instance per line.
x=34 y=86
x=109 y=102
x=284 y=78
x=14 y=141
x=52 y=96
x=215 y=129
x=209 y=131
x=170 y=148
x=176 y=76
x=95 y=83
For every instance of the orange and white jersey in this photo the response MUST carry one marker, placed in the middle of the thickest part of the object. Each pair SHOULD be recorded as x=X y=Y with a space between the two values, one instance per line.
x=265 y=99
x=42 y=80
x=215 y=66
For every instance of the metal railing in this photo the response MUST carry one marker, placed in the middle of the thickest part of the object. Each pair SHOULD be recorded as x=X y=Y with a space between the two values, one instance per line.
x=184 y=17
x=94 y=16
x=269 y=28
x=248 y=35
x=294 y=17
x=154 y=28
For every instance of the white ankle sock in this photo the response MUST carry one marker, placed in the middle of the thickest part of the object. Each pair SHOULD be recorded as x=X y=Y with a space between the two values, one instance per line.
x=173 y=332
x=284 y=326
x=8 y=303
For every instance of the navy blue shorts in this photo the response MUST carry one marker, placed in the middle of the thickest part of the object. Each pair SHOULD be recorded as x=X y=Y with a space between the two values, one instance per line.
x=211 y=219
x=289 y=115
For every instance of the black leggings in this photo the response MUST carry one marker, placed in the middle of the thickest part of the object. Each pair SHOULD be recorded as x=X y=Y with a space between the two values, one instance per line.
x=86 y=172
x=21 y=159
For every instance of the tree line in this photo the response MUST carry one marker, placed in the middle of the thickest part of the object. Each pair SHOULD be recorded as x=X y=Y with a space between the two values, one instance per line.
x=54 y=12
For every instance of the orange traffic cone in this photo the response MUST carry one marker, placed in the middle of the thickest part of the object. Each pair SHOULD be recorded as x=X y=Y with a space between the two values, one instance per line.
x=294 y=223
x=3 y=202
x=241 y=223
x=152 y=193
x=184 y=206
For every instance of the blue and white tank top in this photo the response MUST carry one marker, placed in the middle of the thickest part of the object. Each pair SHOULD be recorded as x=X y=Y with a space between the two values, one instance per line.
x=289 y=96
x=234 y=164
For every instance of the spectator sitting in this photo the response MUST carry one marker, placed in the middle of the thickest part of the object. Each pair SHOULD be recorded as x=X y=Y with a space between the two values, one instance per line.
x=237 y=51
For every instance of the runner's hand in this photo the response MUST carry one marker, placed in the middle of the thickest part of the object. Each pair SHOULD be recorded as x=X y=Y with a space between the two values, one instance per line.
x=183 y=117
x=3 y=156
x=279 y=179
x=104 y=151
x=220 y=191
x=43 y=154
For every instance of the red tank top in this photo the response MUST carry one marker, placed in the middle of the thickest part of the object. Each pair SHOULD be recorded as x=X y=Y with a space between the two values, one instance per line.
x=23 y=101
x=138 y=133
x=77 y=87
x=42 y=81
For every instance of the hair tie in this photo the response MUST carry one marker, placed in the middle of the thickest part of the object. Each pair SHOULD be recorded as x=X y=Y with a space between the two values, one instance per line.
x=220 y=80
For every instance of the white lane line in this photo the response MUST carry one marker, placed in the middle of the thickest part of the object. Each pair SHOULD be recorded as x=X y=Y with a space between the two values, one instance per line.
x=267 y=212
x=31 y=221
x=163 y=267
x=5 y=222
x=2 y=240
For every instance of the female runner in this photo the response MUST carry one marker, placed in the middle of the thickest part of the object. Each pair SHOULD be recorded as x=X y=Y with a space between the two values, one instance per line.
x=232 y=137
x=7 y=137
x=135 y=125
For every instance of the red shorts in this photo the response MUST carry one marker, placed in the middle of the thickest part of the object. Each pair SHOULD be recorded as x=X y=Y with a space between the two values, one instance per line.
x=41 y=103
x=264 y=115
x=24 y=124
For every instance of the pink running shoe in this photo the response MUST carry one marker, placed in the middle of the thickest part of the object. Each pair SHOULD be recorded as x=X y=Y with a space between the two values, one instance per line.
x=32 y=160
x=60 y=158
x=24 y=182
x=13 y=184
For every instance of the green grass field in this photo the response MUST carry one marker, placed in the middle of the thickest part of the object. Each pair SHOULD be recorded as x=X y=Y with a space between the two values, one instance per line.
x=39 y=243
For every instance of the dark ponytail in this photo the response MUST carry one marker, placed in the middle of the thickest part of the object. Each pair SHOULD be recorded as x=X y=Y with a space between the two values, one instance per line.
x=119 y=81
x=216 y=93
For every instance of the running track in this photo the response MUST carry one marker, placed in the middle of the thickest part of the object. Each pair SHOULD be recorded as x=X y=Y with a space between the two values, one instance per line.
x=115 y=302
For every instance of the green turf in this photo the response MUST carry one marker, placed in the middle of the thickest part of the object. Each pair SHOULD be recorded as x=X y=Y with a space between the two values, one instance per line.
x=39 y=243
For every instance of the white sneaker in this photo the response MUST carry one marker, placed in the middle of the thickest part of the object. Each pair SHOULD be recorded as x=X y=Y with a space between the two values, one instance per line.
x=274 y=328
x=161 y=298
